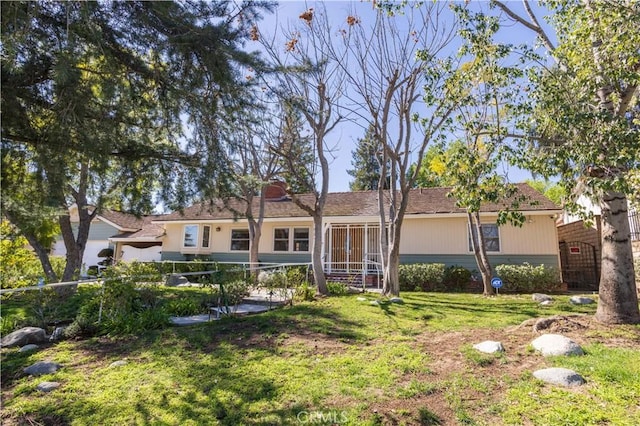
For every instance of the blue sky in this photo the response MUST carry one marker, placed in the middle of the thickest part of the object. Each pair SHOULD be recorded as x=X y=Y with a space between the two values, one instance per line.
x=342 y=140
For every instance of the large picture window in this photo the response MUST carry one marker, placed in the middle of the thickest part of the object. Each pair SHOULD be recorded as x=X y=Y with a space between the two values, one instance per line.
x=491 y=237
x=240 y=239
x=190 y=236
x=281 y=239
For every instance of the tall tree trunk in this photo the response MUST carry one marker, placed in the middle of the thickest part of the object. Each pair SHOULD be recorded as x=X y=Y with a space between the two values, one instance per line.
x=480 y=252
x=391 y=273
x=40 y=250
x=316 y=256
x=73 y=259
x=254 y=241
x=618 y=302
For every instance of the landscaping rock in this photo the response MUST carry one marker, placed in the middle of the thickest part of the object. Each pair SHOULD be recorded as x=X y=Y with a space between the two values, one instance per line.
x=546 y=303
x=559 y=376
x=556 y=344
x=539 y=297
x=58 y=334
x=42 y=367
x=24 y=336
x=29 y=347
x=396 y=300
x=361 y=299
x=118 y=363
x=489 y=347
x=578 y=300
x=175 y=280
x=47 y=386
x=375 y=303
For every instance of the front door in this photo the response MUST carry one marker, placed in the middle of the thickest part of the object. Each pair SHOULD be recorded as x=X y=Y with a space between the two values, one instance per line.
x=348 y=245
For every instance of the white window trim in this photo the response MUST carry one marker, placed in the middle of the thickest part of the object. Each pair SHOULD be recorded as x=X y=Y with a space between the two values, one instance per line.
x=273 y=246
x=291 y=240
x=488 y=251
x=195 y=238
x=231 y=240
x=208 y=246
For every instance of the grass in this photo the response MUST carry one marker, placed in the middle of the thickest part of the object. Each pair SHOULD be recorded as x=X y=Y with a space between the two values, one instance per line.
x=336 y=360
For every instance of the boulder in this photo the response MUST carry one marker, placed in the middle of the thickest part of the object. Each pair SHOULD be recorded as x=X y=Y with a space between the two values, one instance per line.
x=546 y=303
x=58 y=334
x=47 y=386
x=396 y=300
x=539 y=297
x=23 y=337
x=118 y=363
x=556 y=344
x=28 y=348
x=559 y=376
x=361 y=299
x=175 y=279
x=42 y=367
x=579 y=300
x=489 y=347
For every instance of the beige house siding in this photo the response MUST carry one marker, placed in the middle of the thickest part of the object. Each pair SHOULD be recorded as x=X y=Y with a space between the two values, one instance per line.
x=450 y=236
x=220 y=240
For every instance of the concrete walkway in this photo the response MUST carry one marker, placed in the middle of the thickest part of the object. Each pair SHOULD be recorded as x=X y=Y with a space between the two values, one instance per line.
x=258 y=301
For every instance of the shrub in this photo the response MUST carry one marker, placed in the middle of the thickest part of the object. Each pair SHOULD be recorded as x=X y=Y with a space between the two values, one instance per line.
x=7 y=325
x=305 y=292
x=636 y=263
x=456 y=278
x=527 y=278
x=235 y=291
x=183 y=307
x=337 y=289
x=422 y=276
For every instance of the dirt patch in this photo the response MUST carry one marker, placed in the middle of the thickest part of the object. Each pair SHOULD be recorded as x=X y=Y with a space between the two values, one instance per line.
x=461 y=382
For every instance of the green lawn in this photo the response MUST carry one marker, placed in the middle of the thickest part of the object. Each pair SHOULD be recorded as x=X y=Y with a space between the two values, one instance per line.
x=339 y=360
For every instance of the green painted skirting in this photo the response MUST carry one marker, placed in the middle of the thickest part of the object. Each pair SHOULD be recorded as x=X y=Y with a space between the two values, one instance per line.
x=244 y=257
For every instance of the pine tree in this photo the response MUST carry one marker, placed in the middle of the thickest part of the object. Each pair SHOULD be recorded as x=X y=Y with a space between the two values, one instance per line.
x=366 y=163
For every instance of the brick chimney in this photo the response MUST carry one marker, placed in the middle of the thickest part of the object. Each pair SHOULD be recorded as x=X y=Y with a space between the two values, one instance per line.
x=276 y=190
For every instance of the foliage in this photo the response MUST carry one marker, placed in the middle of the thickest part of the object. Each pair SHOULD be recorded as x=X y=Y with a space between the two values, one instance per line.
x=366 y=164
x=432 y=174
x=527 y=278
x=551 y=190
x=577 y=113
x=422 y=276
x=129 y=76
x=456 y=278
x=433 y=277
x=337 y=289
x=235 y=291
x=8 y=324
x=19 y=266
x=305 y=292
x=636 y=267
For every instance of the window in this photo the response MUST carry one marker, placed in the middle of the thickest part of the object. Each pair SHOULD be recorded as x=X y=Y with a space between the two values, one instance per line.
x=206 y=236
x=190 y=236
x=281 y=239
x=286 y=238
x=491 y=237
x=240 y=239
x=301 y=239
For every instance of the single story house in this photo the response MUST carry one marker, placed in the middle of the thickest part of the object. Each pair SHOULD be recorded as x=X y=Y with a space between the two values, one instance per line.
x=130 y=237
x=434 y=230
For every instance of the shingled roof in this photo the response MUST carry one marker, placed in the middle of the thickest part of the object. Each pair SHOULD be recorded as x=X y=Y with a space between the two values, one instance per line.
x=357 y=203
